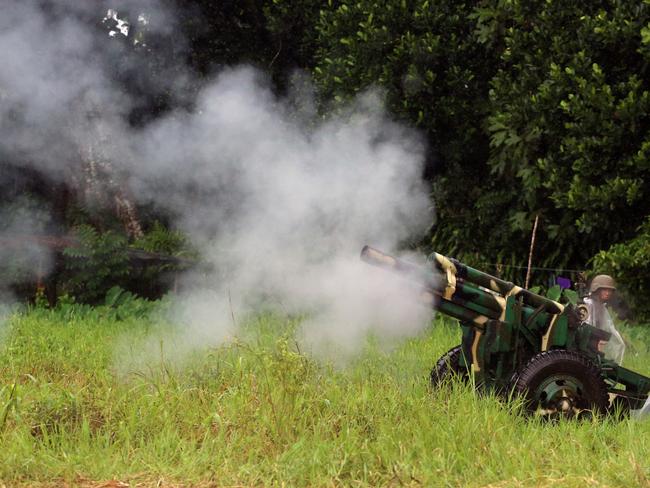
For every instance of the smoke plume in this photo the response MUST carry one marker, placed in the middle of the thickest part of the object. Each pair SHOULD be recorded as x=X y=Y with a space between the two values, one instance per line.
x=278 y=199
x=21 y=261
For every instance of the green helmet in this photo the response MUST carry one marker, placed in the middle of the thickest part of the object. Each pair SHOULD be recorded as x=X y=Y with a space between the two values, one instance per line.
x=602 y=281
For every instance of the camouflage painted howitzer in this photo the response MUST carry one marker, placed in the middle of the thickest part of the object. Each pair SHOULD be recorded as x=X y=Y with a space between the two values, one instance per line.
x=516 y=341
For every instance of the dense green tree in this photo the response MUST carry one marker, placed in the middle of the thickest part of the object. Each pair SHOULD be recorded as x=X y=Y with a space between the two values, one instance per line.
x=276 y=36
x=569 y=121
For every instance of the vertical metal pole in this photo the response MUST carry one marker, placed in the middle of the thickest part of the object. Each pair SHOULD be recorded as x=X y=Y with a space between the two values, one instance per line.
x=530 y=254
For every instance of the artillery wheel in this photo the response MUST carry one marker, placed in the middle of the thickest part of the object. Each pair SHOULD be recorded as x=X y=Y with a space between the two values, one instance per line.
x=560 y=383
x=448 y=366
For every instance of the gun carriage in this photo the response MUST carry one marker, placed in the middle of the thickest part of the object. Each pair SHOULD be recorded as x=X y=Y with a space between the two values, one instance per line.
x=517 y=341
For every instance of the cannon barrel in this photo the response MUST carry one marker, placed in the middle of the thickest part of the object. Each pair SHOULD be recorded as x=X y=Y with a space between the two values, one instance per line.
x=461 y=291
x=497 y=285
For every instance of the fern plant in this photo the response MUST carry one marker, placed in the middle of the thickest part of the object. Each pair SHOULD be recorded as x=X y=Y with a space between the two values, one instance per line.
x=99 y=262
x=160 y=239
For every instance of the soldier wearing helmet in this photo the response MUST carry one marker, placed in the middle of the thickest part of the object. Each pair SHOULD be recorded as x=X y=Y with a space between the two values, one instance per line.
x=603 y=286
x=601 y=291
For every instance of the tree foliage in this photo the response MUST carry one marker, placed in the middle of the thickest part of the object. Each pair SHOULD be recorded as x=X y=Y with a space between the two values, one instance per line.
x=569 y=119
x=569 y=124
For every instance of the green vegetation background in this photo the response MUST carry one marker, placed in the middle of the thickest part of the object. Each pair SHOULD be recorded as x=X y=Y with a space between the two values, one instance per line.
x=541 y=108
x=86 y=400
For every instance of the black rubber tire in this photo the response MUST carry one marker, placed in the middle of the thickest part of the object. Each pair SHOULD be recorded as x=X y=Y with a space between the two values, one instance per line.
x=448 y=367
x=555 y=368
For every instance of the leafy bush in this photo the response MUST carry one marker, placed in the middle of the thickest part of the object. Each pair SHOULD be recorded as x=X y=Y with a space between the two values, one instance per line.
x=117 y=305
x=161 y=240
x=154 y=278
x=121 y=304
x=99 y=262
x=629 y=263
x=102 y=261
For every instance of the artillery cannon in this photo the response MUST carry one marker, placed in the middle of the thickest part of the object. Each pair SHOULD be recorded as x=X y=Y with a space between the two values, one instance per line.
x=516 y=341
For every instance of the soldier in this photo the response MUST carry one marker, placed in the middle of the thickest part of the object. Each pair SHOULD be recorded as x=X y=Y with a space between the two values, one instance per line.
x=601 y=291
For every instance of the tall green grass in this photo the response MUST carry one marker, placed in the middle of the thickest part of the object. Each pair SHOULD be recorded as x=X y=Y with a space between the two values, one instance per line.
x=257 y=411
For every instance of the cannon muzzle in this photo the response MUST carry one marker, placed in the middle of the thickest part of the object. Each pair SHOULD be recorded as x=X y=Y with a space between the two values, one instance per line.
x=380 y=259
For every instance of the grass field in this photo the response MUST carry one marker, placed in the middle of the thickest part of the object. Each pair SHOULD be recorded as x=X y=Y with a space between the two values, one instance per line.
x=76 y=409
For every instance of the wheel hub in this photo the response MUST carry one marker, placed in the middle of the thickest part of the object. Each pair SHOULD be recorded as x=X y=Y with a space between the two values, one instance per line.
x=560 y=395
x=565 y=403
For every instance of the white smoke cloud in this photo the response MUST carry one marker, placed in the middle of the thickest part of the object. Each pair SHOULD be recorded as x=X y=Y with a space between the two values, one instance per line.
x=22 y=260
x=290 y=207
x=279 y=201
